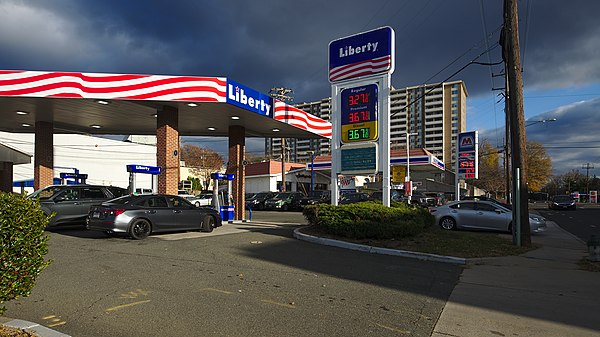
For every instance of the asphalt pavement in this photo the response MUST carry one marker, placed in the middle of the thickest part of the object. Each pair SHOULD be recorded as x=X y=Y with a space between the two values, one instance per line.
x=540 y=293
x=251 y=279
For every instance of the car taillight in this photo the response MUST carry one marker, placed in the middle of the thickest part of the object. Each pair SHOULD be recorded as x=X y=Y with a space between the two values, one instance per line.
x=115 y=212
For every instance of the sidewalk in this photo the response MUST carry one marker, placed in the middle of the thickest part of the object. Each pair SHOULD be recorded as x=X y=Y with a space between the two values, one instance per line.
x=35 y=328
x=541 y=293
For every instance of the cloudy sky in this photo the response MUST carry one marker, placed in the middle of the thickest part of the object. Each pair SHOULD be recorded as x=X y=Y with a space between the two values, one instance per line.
x=284 y=43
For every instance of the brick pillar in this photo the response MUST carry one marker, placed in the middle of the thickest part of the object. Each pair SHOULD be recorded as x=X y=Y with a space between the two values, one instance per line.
x=167 y=150
x=6 y=176
x=43 y=162
x=237 y=148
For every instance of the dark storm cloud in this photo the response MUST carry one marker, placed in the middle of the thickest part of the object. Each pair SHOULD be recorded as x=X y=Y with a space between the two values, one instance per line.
x=266 y=43
x=571 y=140
x=284 y=43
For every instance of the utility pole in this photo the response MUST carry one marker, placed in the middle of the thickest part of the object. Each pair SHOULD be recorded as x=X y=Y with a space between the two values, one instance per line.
x=507 y=138
x=281 y=94
x=587 y=167
x=512 y=59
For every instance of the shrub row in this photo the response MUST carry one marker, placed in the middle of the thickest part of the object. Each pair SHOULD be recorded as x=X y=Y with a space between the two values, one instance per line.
x=23 y=245
x=369 y=220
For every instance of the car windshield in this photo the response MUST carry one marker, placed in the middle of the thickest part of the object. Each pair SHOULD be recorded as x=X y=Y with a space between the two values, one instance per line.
x=46 y=193
x=318 y=194
x=352 y=196
x=204 y=196
x=259 y=196
x=282 y=195
x=125 y=200
x=562 y=198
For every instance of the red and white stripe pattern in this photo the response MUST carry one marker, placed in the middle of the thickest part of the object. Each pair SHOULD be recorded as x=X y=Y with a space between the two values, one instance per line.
x=112 y=86
x=301 y=119
x=368 y=67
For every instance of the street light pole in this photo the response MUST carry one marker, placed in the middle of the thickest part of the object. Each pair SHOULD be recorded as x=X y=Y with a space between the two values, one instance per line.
x=407 y=179
x=312 y=171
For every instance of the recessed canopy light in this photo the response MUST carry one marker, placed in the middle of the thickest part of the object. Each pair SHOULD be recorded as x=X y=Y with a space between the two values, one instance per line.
x=96 y=126
x=210 y=128
x=154 y=115
x=275 y=130
x=22 y=113
x=193 y=105
x=102 y=102
x=235 y=117
x=25 y=125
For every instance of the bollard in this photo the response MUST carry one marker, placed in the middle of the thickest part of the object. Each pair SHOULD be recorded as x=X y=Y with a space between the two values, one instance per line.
x=594 y=248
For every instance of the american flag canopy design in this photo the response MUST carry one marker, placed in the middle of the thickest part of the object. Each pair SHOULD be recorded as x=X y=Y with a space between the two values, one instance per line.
x=301 y=119
x=368 y=67
x=112 y=86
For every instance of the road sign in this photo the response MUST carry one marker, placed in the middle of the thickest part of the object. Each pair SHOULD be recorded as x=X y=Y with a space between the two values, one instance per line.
x=359 y=114
x=359 y=158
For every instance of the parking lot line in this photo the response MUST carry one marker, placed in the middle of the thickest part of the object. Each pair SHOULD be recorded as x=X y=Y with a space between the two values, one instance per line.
x=126 y=305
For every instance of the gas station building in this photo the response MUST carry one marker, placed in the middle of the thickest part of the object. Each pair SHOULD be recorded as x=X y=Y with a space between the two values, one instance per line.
x=46 y=103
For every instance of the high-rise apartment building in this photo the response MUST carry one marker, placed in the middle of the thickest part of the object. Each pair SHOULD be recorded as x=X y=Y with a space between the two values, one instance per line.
x=435 y=112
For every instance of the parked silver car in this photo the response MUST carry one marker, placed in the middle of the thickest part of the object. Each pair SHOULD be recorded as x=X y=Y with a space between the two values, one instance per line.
x=140 y=215
x=471 y=214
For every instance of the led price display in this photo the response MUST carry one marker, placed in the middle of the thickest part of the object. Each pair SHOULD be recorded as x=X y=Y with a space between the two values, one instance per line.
x=467 y=165
x=359 y=113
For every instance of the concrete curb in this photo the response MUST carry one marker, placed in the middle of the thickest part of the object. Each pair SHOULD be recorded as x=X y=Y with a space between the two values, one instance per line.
x=34 y=328
x=378 y=250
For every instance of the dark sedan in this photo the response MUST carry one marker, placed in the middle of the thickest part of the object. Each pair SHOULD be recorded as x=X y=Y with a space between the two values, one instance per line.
x=313 y=198
x=353 y=197
x=140 y=215
x=562 y=202
x=257 y=201
x=283 y=201
x=70 y=204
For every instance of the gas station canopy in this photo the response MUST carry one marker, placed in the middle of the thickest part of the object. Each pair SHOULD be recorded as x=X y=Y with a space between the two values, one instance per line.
x=96 y=103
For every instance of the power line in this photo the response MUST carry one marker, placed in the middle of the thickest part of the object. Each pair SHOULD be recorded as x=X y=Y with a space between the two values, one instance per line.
x=449 y=77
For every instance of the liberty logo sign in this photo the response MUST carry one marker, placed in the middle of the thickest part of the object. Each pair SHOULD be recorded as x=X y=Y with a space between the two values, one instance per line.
x=249 y=99
x=362 y=54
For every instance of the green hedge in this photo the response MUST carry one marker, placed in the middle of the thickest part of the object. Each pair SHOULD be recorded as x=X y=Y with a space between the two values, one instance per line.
x=23 y=245
x=369 y=220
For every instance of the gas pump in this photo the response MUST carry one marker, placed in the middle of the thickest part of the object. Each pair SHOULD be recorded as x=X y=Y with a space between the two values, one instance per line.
x=222 y=199
x=133 y=169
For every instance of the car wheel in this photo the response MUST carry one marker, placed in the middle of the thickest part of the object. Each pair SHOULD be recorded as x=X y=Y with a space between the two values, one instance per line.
x=448 y=223
x=208 y=224
x=261 y=207
x=140 y=229
x=284 y=207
